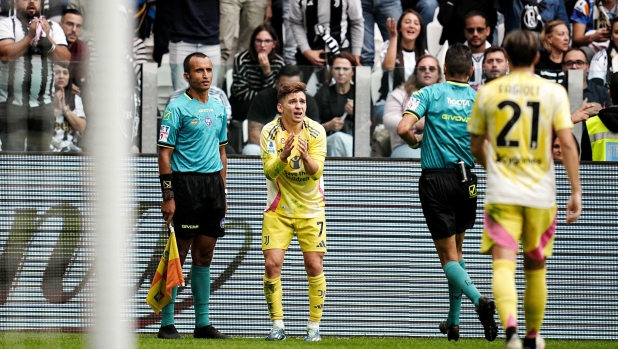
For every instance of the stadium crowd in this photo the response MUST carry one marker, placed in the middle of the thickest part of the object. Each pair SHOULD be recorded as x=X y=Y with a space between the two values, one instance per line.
x=255 y=39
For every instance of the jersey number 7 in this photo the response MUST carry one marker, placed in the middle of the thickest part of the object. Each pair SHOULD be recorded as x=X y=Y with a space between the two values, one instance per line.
x=501 y=140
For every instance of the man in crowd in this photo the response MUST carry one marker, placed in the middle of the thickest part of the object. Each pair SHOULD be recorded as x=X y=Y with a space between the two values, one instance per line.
x=192 y=170
x=264 y=108
x=447 y=187
x=293 y=153
x=71 y=23
x=324 y=31
x=512 y=138
x=476 y=32
x=26 y=76
x=495 y=63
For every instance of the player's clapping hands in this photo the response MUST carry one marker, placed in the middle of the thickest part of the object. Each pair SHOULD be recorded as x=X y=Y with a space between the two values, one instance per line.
x=287 y=148
x=303 y=148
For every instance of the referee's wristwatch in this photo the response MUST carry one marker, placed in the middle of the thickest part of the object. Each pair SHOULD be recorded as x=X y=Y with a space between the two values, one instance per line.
x=167 y=195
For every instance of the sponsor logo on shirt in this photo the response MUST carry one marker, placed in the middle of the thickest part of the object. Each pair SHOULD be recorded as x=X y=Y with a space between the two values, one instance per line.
x=458 y=102
x=207 y=110
x=166 y=115
x=164 y=132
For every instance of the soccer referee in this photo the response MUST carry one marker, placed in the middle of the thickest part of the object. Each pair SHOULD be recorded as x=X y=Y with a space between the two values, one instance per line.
x=447 y=187
x=192 y=169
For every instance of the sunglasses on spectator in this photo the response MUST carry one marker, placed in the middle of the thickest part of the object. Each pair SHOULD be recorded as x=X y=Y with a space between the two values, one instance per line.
x=478 y=30
x=424 y=69
x=267 y=41
x=556 y=146
x=570 y=64
x=342 y=68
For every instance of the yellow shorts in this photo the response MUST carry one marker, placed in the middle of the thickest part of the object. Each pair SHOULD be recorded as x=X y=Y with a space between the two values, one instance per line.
x=506 y=225
x=278 y=231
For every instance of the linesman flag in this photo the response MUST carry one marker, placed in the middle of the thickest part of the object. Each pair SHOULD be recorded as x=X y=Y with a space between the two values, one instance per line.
x=168 y=276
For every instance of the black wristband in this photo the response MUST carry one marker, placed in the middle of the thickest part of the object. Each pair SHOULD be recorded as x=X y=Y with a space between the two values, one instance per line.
x=166 y=182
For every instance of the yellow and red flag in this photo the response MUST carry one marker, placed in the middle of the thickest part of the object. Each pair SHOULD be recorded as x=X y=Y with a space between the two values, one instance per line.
x=168 y=276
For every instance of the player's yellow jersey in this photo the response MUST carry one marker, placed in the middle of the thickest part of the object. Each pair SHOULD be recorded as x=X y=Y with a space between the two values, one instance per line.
x=292 y=192
x=518 y=113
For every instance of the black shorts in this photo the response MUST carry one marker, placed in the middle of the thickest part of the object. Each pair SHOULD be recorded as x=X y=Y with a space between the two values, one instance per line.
x=449 y=205
x=200 y=204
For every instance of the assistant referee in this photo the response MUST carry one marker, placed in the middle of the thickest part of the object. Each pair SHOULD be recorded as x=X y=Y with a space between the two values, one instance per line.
x=447 y=187
x=192 y=169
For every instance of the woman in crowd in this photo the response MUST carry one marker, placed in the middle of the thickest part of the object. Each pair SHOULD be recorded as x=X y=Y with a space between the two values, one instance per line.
x=605 y=62
x=336 y=105
x=255 y=69
x=400 y=53
x=555 y=41
x=70 y=119
x=427 y=73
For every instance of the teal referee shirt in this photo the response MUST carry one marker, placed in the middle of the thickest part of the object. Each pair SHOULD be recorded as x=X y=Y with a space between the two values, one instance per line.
x=446 y=108
x=195 y=131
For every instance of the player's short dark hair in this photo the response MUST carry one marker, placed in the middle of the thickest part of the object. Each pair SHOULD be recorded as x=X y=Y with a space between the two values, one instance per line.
x=291 y=87
x=521 y=47
x=186 y=64
x=493 y=49
x=575 y=49
x=290 y=71
x=72 y=11
x=458 y=60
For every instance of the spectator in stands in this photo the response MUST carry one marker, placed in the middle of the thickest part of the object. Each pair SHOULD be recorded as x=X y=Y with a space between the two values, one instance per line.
x=426 y=8
x=603 y=63
x=595 y=96
x=244 y=15
x=325 y=31
x=70 y=119
x=51 y=9
x=549 y=10
x=575 y=59
x=591 y=23
x=289 y=44
x=427 y=72
x=476 y=32
x=555 y=41
x=556 y=150
x=26 y=101
x=495 y=63
x=376 y=12
x=255 y=69
x=452 y=17
x=336 y=105
x=71 y=23
x=399 y=53
x=264 y=108
x=600 y=133
x=193 y=26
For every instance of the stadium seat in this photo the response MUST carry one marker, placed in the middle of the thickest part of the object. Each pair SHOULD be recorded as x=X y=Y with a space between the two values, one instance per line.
x=164 y=86
x=434 y=31
x=376 y=79
x=441 y=56
x=228 y=82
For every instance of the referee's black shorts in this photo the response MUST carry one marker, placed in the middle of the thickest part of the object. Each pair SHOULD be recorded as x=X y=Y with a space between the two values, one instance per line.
x=200 y=204
x=449 y=205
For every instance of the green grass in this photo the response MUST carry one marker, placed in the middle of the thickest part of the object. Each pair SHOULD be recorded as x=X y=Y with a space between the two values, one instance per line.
x=37 y=340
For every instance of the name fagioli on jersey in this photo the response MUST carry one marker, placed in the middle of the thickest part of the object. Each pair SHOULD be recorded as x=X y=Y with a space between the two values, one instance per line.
x=526 y=90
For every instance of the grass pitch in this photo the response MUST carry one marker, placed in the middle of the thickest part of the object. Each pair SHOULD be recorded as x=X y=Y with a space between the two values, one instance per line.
x=37 y=340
